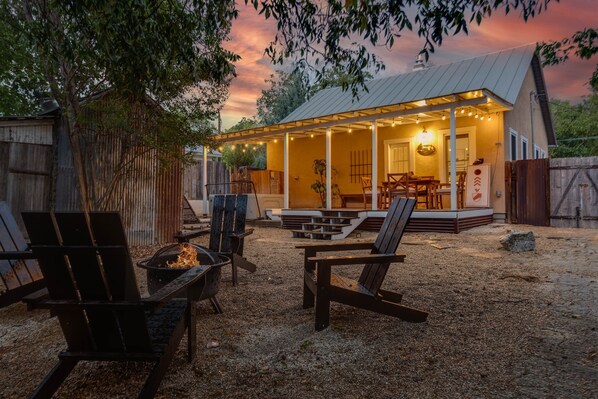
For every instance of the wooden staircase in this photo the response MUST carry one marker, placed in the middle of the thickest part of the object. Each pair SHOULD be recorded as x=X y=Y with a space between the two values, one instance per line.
x=330 y=225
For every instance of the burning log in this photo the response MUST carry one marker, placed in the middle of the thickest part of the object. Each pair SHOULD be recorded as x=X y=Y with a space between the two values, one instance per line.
x=187 y=258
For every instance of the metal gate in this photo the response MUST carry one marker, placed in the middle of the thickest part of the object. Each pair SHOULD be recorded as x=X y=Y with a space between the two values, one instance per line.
x=574 y=192
x=527 y=194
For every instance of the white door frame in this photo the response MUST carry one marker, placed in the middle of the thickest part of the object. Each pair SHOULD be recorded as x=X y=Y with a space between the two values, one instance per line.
x=444 y=133
x=388 y=143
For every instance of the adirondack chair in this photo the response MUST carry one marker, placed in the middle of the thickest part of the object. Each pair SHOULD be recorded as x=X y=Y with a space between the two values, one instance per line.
x=19 y=272
x=93 y=292
x=227 y=231
x=321 y=286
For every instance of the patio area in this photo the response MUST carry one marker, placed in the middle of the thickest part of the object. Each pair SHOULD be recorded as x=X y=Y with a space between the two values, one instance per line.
x=501 y=324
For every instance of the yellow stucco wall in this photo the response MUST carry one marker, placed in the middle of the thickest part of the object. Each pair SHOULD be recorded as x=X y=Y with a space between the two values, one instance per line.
x=490 y=145
x=303 y=151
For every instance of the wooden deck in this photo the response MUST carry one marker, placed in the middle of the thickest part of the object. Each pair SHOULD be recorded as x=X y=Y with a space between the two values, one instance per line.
x=436 y=220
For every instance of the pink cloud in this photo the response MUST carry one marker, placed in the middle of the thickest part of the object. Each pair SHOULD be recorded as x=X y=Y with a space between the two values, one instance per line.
x=251 y=34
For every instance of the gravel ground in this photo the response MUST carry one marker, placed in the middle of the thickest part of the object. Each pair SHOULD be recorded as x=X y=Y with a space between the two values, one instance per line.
x=501 y=325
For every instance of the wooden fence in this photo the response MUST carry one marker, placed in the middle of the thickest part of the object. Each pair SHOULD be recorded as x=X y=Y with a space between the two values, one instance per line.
x=26 y=164
x=574 y=192
x=192 y=180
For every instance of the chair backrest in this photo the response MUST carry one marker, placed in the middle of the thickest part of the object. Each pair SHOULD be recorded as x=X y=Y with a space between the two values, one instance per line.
x=387 y=241
x=85 y=260
x=14 y=273
x=366 y=184
x=398 y=180
x=228 y=217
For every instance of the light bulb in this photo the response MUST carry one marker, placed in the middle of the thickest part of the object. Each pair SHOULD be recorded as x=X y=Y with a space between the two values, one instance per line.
x=462 y=110
x=232 y=147
x=350 y=130
x=275 y=141
x=417 y=121
x=311 y=135
x=393 y=123
x=489 y=118
x=292 y=138
x=482 y=117
x=470 y=113
x=443 y=117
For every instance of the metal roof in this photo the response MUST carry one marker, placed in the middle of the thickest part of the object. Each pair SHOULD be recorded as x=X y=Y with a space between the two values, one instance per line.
x=501 y=73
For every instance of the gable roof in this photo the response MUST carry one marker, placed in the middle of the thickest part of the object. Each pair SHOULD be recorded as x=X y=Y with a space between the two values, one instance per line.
x=497 y=75
x=501 y=73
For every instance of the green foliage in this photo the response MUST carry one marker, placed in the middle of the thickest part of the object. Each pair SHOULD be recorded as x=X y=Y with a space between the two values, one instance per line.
x=325 y=35
x=286 y=93
x=167 y=52
x=21 y=74
x=319 y=186
x=582 y=44
x=575 y=125
x=240 y=155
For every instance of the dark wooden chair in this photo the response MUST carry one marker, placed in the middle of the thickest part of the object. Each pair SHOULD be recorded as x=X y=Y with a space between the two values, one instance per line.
x=93 y=292
x=227 y=231
x=19 y=272
x=321 y=286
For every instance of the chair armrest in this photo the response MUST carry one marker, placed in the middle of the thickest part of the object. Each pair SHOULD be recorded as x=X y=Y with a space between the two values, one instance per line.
x=34 y=299
x=14 y=255
x=356 y=259
x=176 y=286
x=243 y=234
x=185 y=237
x=349 y=246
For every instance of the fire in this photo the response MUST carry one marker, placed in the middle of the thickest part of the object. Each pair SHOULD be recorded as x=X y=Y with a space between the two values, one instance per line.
x=187 y=257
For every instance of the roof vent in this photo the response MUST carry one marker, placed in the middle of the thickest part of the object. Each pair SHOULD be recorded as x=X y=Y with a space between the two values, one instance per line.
x=419 y=63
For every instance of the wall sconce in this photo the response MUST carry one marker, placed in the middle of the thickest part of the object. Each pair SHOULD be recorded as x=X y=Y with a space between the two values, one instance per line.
x=425 y=147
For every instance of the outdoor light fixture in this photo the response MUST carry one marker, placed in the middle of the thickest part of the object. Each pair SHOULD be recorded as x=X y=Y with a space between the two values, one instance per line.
x=425 y=147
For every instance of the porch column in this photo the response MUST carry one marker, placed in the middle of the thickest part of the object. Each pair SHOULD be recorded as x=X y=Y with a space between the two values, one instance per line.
x=286 y=170
x=328 y=168
x=374 y=165
x=453 y=146
x=204 y=181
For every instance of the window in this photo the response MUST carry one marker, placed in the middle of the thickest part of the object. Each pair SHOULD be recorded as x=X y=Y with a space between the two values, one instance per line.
x=398 y=158
x=536 y=152
x=513 y=144
x=523 y=148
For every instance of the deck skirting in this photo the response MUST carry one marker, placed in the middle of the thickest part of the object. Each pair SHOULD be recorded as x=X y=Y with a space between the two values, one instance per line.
x=421 y=221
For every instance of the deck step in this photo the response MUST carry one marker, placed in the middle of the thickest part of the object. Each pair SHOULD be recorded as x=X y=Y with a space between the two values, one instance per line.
x=312 y=233
x=326 y=224
x=333 y=217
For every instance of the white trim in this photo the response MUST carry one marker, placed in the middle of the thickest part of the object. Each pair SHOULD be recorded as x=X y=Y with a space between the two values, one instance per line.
x=443 y=134
x=513 y=133
x=328 y=168
x=375 y=165
x=538 y=151
x=388 y=143
x=526 y=155
x=542 y=154
x=285 y=169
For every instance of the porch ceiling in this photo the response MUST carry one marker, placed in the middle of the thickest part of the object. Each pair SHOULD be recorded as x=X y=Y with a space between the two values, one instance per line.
x=480 y=102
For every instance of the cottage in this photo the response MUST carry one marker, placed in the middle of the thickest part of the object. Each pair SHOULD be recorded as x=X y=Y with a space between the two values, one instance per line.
x=433 y=122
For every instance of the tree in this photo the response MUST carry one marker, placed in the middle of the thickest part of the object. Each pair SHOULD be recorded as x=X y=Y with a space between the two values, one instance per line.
x=581 y=44
x=575 y=128
x=21 y=76
x=324 y=35
x=287 y=92
x=235 y=157
x=166 y=52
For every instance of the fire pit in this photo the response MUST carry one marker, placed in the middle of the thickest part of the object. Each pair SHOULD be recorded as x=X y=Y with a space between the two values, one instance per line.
x=173 y=260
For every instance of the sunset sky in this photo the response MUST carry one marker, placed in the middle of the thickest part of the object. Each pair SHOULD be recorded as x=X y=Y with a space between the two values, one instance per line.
x=251 y=34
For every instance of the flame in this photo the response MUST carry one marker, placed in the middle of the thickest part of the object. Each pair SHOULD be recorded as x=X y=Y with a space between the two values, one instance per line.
x=187 y=257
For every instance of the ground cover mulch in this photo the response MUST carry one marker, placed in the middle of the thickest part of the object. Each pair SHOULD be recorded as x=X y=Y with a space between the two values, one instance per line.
x=501 y=325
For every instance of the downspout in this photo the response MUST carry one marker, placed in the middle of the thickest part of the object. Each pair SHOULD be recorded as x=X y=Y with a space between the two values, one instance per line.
x=532 y=96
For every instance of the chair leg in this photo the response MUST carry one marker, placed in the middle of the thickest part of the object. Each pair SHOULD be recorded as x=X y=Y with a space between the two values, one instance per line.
x=323 y=298
x=52 y=382
x=308 y=296
x=191 y=330
x=216 y=305
x=156 y=375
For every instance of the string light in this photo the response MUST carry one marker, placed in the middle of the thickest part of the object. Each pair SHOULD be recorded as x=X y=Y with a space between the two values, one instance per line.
x=350 y=130
x=393 y=123
x=243 y=149
x=443 y=117
x=417 y=121
x=292 y=138
x=482 y=117
x=462 y=110
x=489 y=118
x=311 y=135
x=470 y=113
x=220 y=148
x=275 y=141
x=233 y=147
x=476 y=115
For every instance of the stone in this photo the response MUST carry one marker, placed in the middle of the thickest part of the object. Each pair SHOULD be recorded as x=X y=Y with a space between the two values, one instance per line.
x=519 y=241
